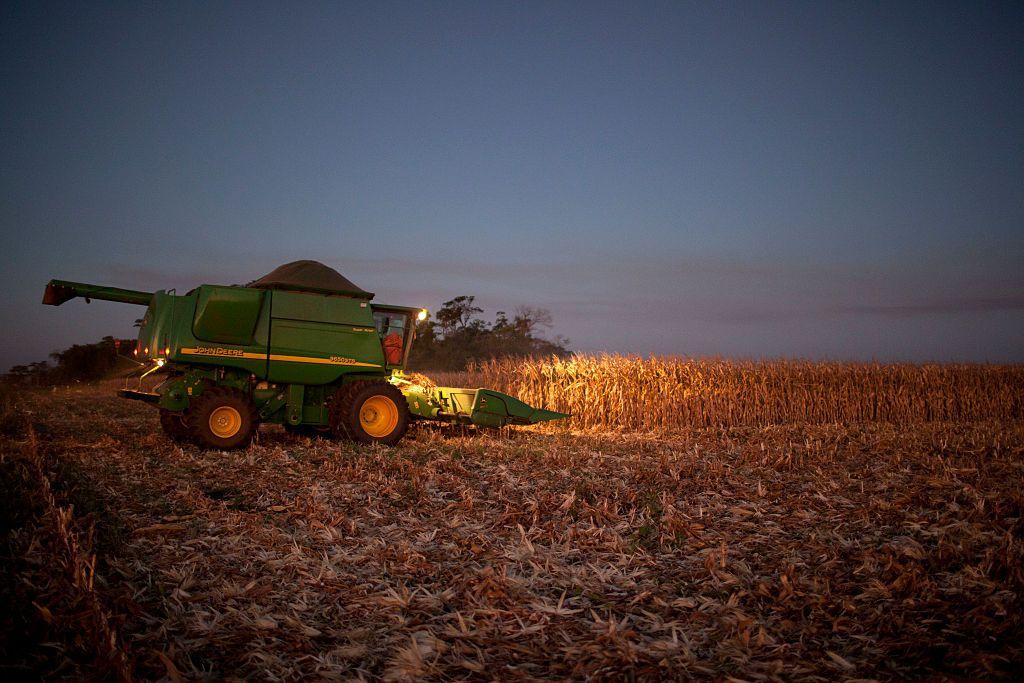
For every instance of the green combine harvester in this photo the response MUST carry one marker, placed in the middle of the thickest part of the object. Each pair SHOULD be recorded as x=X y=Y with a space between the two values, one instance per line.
x=303 y=347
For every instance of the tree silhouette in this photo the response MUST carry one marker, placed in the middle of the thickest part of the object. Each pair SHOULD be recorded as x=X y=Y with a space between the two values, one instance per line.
x=457 y=336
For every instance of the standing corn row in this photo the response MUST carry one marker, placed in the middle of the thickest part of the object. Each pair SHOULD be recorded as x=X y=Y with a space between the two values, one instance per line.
x=632 y=393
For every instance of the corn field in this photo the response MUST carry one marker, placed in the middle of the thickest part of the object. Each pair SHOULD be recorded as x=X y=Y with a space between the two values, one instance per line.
x=654 y=394
x=797 y=552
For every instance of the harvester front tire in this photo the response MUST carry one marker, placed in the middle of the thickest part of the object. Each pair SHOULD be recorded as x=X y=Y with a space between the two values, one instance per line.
x=221 y=418
x=370 y=412
x=174 y=426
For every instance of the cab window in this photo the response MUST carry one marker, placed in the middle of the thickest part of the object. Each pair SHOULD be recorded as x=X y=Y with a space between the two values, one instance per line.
x=390 y=322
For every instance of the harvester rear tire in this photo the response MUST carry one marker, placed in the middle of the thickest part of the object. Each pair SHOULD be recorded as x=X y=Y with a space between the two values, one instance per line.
x=369 y=412
x=221 y=418
x=174 y=426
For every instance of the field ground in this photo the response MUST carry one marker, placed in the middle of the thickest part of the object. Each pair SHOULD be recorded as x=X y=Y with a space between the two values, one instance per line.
x=817 y=552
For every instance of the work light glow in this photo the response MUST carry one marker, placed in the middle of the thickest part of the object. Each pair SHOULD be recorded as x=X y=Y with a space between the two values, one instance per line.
x=422 y=315
x=160 y=362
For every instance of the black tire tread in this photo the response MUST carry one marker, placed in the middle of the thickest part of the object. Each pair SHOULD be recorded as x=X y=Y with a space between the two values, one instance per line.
x=174 y=426
x=344 y=411
x=197 y=418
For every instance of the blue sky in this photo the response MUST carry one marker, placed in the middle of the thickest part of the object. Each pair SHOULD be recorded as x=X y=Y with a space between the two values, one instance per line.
x=824 y=180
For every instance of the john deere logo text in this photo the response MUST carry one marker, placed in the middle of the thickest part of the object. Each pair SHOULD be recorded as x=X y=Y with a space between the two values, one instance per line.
x=215 y=351
x=341 y=360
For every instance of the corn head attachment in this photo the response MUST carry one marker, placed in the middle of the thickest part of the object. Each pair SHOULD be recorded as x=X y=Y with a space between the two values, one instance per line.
x=480 y=407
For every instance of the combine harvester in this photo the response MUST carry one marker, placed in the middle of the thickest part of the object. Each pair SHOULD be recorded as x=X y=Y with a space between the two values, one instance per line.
x=303 y=347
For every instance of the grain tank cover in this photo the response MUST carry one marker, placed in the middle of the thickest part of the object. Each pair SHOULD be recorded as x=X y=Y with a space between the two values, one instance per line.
x=310 y=276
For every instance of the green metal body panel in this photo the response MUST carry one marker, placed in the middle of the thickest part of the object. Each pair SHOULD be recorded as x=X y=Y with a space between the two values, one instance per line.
x=288 y=350
x=227 y=315
x=317 y=338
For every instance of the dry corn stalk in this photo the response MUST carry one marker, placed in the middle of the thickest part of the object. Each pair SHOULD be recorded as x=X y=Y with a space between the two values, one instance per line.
x=667 y=393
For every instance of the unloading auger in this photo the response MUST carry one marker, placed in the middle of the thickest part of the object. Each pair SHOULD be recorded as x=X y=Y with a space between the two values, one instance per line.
x=301 y=346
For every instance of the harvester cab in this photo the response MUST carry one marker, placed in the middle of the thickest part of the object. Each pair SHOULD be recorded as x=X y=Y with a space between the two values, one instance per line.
x=301 y=346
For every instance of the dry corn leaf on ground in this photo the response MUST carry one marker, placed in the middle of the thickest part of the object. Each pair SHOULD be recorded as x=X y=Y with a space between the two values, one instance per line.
x=794 y=552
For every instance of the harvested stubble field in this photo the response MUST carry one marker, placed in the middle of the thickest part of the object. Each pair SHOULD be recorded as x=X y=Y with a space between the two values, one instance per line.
x=795 y=551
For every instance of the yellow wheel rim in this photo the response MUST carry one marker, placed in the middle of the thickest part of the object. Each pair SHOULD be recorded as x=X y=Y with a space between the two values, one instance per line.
x=225 y=422
x=379 y=416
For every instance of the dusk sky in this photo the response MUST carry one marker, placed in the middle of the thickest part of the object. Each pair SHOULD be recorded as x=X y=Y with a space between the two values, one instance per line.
x=818 y=180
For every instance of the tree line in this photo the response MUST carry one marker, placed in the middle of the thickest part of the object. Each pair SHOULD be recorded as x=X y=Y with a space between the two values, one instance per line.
x=457 y=336
x=77 y=363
